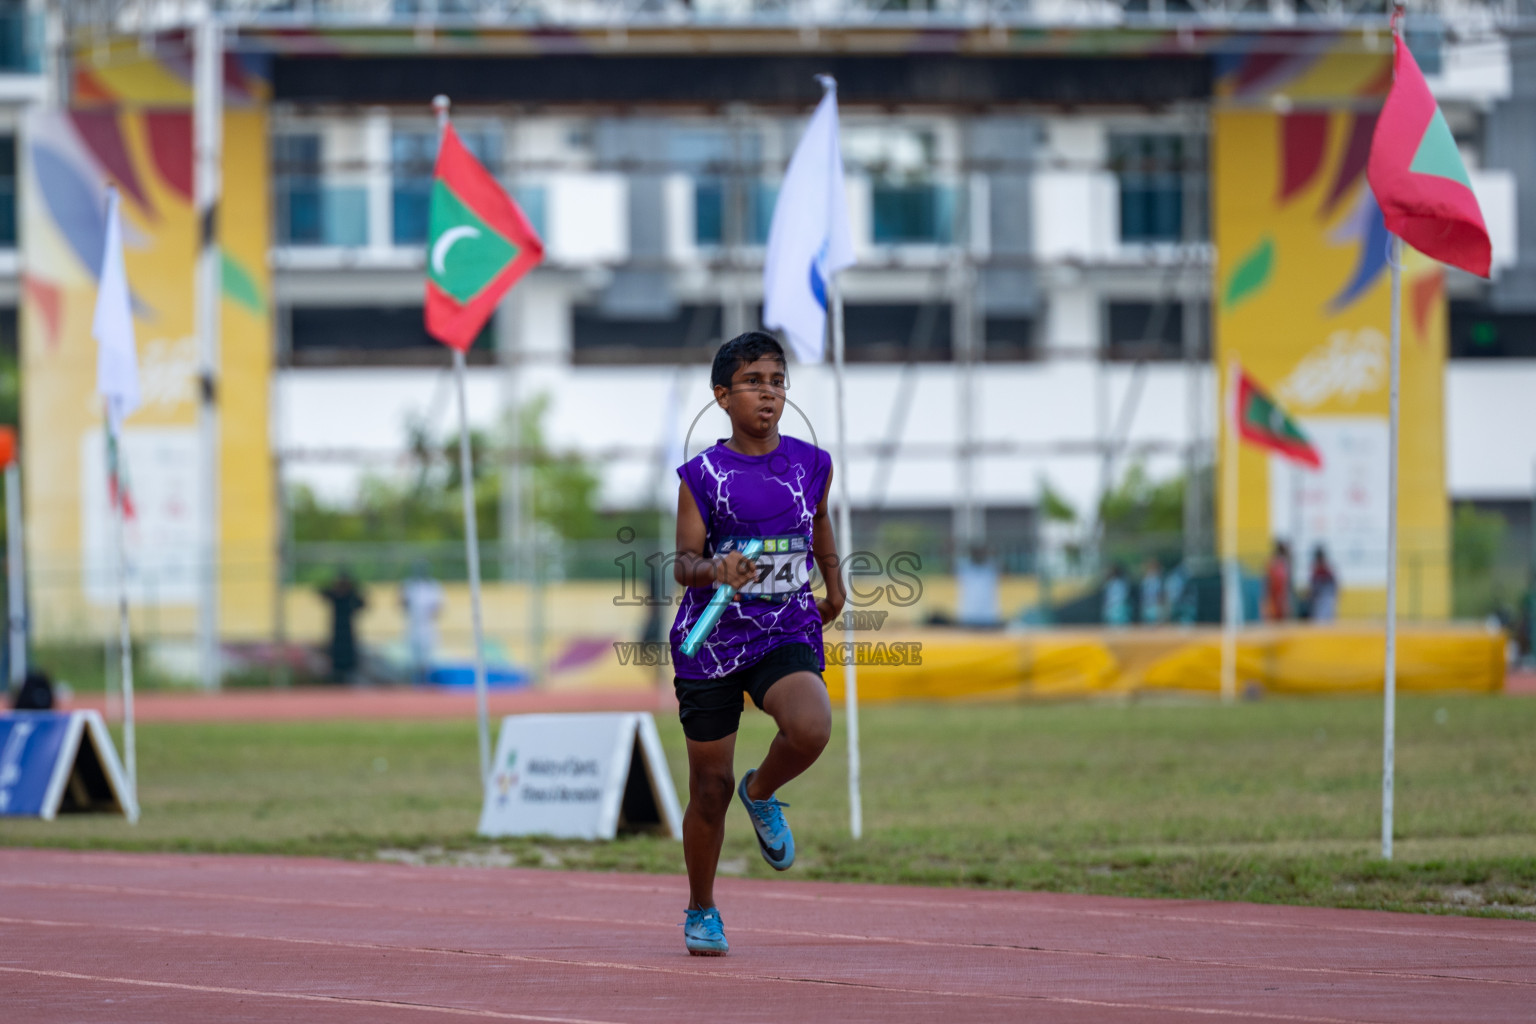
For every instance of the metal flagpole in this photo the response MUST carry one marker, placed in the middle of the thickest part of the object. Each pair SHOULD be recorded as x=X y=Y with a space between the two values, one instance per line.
x=1231 y=605
x=116 y=492
x=472 y=553
x=16 y=576
x=471 y=533
x=208 y=101
x=845 y=533
x=1389 y=687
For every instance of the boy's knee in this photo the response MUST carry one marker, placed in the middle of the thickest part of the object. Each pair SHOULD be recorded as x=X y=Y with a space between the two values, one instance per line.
x=812 y=733
x=712 y=789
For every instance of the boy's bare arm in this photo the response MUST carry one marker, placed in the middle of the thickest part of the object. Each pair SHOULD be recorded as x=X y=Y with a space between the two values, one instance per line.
x=692 y=568
x=824 y=548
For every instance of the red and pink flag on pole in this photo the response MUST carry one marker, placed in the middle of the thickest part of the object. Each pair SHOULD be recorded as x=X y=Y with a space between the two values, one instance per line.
x=1417 y=175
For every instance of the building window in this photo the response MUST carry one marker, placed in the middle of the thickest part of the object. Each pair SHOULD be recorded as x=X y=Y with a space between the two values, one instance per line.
x=723 y=163
x=21 y=37
x=413 y=155
x=909 y=204
x=710 y=196
x=1158 y=176
x=7 y=191
x=311 y=208
x=1153 y=330
x=690 y=335
x=913 y=213
x=1009 y=338
x=898 y=332
x=1478 y=332
x=1144 y=7
x=372 y=336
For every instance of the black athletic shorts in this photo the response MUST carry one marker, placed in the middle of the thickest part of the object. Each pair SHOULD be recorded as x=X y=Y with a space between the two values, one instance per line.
x=710 y=709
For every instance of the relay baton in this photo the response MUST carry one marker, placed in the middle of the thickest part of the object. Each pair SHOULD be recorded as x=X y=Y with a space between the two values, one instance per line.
x=716 y=607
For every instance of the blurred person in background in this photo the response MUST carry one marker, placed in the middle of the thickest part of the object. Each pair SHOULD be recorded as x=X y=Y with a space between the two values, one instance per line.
x=1152 y=593
x=977 y=584
x=1117 y=598
x=1277 y=584
x=346 y=600
x=1323 y=588
x=1179 y=593
x=421 y=597
x=35 y=692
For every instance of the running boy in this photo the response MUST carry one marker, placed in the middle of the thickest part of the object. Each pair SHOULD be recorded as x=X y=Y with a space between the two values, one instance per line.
x=757 y=483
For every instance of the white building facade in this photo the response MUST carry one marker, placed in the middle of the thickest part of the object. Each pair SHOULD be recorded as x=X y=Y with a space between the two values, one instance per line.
x=1030 y=310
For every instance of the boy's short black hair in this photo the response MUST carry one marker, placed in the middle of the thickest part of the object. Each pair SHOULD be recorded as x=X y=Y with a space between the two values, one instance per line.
x=742 y=350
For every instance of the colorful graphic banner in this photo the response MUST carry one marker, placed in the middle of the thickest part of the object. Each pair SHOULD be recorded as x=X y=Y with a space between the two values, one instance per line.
x=1302 y=301
x=131 y=127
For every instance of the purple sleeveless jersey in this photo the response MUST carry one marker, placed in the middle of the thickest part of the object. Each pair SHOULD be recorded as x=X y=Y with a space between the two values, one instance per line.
x=774 y=497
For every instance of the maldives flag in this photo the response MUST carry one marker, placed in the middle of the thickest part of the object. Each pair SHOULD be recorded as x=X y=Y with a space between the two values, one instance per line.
x=1417 y=175
x=478 y=245
x=1261 y=421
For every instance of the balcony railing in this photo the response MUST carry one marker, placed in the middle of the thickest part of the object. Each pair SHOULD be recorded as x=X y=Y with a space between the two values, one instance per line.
x=416 y=15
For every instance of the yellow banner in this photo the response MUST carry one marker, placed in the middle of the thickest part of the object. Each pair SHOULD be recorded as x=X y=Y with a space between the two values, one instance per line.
x=1302 y=295
x=131 y=128
x=1298 y=659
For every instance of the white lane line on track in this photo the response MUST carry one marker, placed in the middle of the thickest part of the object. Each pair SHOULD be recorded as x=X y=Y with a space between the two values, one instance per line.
x=396 y=909
x=1414 y=932
x=393 y=1004
x=1205 y=1011
x=1417 y=927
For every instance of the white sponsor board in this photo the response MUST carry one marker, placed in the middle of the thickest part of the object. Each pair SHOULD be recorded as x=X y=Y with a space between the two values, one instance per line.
x=164 y=533
x=579 y=776
x=1342 y=506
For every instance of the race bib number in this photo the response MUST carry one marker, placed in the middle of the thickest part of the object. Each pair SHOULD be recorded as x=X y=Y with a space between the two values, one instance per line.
x=783 y=567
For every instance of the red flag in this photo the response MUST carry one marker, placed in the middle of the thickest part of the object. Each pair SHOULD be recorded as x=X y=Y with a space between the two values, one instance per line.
x=1418 y=177
x=479 y=244
x=1261 y=421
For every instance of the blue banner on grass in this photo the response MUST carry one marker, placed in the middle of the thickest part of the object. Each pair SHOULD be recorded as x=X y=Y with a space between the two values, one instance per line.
x=31 y=743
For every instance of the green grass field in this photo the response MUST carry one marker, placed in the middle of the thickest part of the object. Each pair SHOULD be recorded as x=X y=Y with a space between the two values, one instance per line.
x=1272 y=801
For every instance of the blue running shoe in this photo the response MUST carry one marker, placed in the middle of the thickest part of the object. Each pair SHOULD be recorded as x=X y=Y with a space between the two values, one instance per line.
x=703 y=933
x=774 y=838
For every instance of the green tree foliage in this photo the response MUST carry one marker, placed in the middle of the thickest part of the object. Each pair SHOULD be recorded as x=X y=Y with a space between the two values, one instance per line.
x=1478 y=586
x=1476 y=537
x=1142 y=507
x=1142 y=517
x=564 y=486
x=1053 y=507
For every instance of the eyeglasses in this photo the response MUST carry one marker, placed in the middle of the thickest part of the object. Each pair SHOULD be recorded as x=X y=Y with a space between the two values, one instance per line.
x=753 y=382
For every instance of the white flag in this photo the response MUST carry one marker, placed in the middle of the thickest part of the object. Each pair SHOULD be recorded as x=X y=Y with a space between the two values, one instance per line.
x=809 y=239
x=117 y=359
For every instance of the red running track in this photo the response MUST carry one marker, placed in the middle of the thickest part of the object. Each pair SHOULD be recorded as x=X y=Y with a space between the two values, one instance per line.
x=167 y=939
x=356 y=703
